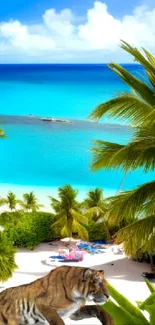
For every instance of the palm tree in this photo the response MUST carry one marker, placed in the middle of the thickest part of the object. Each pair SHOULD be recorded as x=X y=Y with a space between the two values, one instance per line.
x=11 y=201
x=7 y=258
x=137 y=108
x=94 y=205
x=67 y=210
x=30 y=202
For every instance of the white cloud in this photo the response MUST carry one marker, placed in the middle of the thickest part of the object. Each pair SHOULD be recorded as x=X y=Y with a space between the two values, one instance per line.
x=101 y=30
x=60 y=24
x=59 y=38
x=18 y=36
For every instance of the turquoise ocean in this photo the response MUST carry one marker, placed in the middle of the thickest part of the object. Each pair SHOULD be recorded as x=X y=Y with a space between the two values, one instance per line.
x=42 y=154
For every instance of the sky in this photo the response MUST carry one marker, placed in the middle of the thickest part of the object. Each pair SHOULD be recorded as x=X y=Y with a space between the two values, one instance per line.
x=74 y=31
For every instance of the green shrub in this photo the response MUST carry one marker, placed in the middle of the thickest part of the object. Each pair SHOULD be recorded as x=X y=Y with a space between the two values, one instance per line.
x=7 y=258
x=10 y=217
x=31 y=229
x=97 y=231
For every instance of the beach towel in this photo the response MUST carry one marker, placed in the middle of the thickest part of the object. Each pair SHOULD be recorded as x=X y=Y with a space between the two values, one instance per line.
x=85 y=246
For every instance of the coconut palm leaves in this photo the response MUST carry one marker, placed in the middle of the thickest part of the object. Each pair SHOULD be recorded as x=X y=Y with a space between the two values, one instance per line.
x=139 y=236
x=94 y=206
x=30 y=202
x=131 y=204
x=139 y=152
x=67 y=211
x=136 y=108
x=138 y=105
x=11 y=201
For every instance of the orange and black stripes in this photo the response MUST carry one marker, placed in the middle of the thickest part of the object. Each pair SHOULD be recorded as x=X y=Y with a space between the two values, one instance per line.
x=59 y=292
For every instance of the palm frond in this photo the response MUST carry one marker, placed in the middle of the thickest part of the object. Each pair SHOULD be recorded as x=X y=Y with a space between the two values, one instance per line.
x=60 y=222
x=139 y=152
x=94 y=213
x=79 y=217
x=140 y=87
x=65 y=232
x=129 y=204
x=149 y=119
x=147 y=62
x=82 y=232
x=127 y=107
x=139 y=236
x=55 y=204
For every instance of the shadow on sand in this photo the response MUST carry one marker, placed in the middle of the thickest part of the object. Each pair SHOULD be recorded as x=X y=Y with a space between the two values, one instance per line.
x=124 y=269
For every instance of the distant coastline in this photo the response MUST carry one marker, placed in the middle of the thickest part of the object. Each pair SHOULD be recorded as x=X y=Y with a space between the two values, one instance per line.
x=38 y=120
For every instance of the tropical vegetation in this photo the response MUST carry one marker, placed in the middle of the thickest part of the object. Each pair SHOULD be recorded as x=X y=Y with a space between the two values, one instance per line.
x=30 y=202
x=7 y=257
x=125 y=313
x=94 y=205
x=137 y=109
x=28 y=229
x=10 y=201
x=69 y=218
x=68 y=214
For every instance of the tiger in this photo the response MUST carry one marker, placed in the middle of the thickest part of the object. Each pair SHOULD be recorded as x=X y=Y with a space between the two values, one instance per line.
x=60 y=294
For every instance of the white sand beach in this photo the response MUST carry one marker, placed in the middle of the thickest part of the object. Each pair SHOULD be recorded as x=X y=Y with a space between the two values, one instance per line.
x=121 y=272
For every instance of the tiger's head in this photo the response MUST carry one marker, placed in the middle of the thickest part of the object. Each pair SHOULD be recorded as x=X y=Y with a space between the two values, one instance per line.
x=93 y=286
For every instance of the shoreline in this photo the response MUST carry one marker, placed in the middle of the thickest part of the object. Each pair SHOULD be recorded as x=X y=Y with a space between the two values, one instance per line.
x=42 y=193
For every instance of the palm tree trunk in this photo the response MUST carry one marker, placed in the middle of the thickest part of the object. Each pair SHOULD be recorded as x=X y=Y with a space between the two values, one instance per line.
x=69 y=226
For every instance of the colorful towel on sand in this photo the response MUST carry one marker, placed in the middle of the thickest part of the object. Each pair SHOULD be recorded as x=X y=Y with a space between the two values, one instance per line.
x=85 y=246
x=73 y=256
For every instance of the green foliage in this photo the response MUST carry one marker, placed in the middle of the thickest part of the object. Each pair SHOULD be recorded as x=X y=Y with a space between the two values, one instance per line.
x=68 y=215
x=97 y=231
x=137 y=108
x=10 y=218
x=32 y=229
x=139 y=152
x=139 y=236
x=11 y=201
x=30 y=202
x=125 y=313
x=7 y=258
x=130 y=204
x=94 y=206
x=150 y=285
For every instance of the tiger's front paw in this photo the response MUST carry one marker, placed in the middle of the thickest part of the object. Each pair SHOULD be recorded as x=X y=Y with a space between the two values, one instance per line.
x=76 y=316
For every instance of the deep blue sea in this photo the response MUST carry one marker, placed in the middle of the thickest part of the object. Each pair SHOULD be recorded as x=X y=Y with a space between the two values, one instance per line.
x=45 y=154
